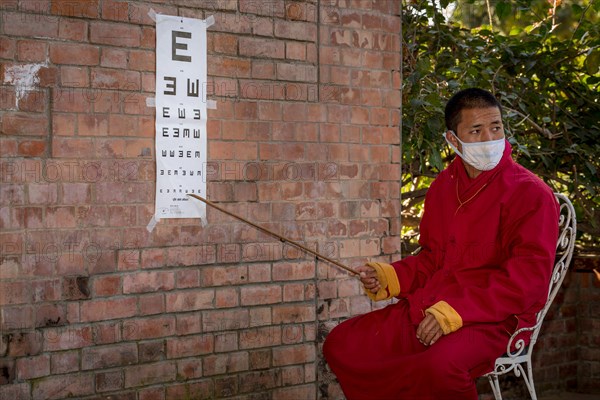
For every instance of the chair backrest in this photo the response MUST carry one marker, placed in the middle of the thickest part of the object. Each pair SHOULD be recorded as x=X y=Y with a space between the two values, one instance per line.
x=567 y=227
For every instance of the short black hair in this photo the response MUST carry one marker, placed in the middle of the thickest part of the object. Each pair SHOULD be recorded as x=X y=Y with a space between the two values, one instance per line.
x=466 y=99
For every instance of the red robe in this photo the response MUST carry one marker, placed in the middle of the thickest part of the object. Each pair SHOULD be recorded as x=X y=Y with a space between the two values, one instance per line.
x=488 y=247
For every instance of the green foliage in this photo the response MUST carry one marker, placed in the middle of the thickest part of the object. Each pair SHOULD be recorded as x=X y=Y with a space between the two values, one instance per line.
x=542 y=63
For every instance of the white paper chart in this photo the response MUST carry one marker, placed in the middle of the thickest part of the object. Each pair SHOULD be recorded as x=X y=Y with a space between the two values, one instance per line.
x=181 y=149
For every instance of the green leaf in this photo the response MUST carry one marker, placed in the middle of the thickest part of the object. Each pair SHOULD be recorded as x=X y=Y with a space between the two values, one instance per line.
x=503 y=10
x=592 y=62
x=590 y=167
x=435 y=157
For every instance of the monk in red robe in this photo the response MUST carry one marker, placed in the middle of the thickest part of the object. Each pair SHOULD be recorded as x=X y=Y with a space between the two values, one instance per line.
x=488 y=240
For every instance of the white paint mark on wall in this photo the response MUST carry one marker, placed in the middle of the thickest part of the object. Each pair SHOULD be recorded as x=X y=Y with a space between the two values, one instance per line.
x=24 y=77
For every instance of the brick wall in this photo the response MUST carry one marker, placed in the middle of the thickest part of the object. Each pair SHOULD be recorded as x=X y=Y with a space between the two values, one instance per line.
x=588 y=329
x=304 y=141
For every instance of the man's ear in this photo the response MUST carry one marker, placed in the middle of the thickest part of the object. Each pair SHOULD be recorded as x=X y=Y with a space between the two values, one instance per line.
x=451 y=137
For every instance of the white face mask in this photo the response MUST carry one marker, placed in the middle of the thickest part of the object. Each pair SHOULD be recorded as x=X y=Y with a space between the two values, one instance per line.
x=482 y=156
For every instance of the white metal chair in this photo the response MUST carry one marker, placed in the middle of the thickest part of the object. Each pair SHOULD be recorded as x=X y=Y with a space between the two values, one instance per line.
x=513 y=360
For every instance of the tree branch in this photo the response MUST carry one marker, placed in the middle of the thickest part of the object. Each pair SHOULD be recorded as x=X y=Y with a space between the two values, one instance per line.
x=541 y=130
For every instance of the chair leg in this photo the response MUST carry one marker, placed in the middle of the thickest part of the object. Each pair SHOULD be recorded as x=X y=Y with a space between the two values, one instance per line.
x=528 y=377
x=495 y=384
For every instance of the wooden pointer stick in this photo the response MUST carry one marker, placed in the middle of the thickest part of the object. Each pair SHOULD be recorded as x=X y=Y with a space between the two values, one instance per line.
x=278 y=236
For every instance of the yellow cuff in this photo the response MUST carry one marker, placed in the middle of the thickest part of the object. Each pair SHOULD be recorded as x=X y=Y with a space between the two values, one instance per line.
x=446 y=316
x=388 y=280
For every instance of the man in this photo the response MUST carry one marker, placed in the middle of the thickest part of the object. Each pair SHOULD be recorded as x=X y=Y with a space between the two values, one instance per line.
x=488 y=240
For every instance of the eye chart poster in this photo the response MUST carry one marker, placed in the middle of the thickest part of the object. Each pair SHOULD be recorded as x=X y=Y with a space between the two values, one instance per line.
x=180 y=116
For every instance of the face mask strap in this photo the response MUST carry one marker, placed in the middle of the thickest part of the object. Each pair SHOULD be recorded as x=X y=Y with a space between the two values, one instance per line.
x=450 y=143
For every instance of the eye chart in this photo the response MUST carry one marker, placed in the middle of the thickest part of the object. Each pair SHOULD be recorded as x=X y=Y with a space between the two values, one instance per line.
x=181 y=149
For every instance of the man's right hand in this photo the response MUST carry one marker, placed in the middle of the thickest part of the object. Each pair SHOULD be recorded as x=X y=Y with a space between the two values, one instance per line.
x=368 y=277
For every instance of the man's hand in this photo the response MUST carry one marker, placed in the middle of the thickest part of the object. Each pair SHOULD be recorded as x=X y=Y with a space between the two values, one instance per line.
x=368 y=277
x=429 y=330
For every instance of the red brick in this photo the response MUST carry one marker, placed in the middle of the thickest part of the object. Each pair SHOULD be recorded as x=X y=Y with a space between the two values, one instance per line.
x=148 y=282
x=187 y=279
x=221 y=150
x=116 y=34
x=72 y=148
x=75 y=54
x=16 y=318
x=190 y=300
x=295 y=51
x=64 y=362
x=115 y=79
x=115 y=10
x=99 y=310
x=260 y=295
x=73 y=29
x=296 y=72
x=306 y=392
x=113 y=58
x=196 y=390
x=293 y=271
x=148 y=38
x=297 y=11
x=63 y=124
x=48 y=76
x=153 y=393
x=75 y=8
x=223 y=43
x=57 y=387
x=221 y=276
x=122 y=216
x=149 y=328
x=8 y=99
x=293 y=292
x=106 y=285
x=32 y=50
x=153 y=258
x=190 y=346
x=30 y=25
x=72 y=100
x=152 y=304
x=296 y=30
x=267 y=9
x=298 y=354
x=7 y=48
x=24 y=124
x=100 y=357
x=74 y=76
x=230 y=67
x=262 y=69
x=293 y=314
x=60 y=217
x=109 y=381
x=260 y=337
x=138 y=12
x=225 y=363
x=259 y=47
x=22 y=344
x=33 y=101
x=142 y=60
x=50 y=315
x=32 y=148
x=13 y=292
x=149 y=374
x=123 y=125
x=92 y=124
